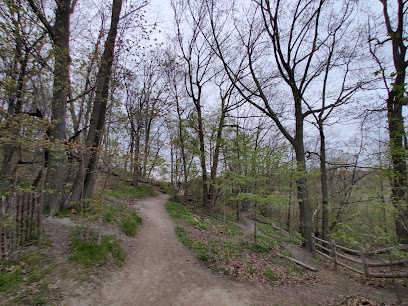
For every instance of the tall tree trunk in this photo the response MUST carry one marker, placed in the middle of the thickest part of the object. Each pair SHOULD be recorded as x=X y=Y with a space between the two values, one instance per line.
x=396 y=127
x=54 y=181
x=305 y=227
x=213 y=190
x=398 y=159
x=323 y=179
x=97 y=122
x=197 y=103
x=136 y=160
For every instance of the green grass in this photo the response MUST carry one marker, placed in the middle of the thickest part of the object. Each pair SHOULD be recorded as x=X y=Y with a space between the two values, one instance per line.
x=10 y=280
x=277 y=234
x=130 y=224
x=258 y=248
x=89 y=253
x=168 y=188
x=269 y=274
x=128 y=191
x=122 y=215
x=181 y=233
x=24 y=279
x=179 y=211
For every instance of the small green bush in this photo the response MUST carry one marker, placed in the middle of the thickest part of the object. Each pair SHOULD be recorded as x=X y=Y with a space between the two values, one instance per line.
x=108 y=216
x=130 y=224
x=270 y=274
x=128 y=191
x=9 y=280
x=257 y=248
x=181 y=233
x=168 y=188
x=204 y=255
x=89 y=253
x=177 y=210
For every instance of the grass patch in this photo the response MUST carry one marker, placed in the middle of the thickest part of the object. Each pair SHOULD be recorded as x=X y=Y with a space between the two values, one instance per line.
x=127 y=219
x=270 y=274
x=22 y=278
x=168 y=188
x=179 y=211
x=181 y=233
x=89 y=253
x=130 y=224
x=277 y=234
x=258 y=248
x=10 y=280
x=128 y=191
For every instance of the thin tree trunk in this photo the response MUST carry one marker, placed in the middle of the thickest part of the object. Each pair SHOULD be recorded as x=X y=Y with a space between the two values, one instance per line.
x=323 y=178
x=136 y=161
x=200 y=131
x=97 y=122
x=213 y=175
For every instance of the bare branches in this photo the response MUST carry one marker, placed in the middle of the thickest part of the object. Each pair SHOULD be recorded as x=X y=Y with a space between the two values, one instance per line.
x=43 y=19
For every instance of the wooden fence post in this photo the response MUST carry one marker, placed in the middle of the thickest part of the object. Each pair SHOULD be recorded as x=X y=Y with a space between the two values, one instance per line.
x=364 y=262
x=334 y=254
x=313 y=245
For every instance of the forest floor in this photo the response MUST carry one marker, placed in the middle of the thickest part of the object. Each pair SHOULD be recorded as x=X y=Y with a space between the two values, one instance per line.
x=160 y=270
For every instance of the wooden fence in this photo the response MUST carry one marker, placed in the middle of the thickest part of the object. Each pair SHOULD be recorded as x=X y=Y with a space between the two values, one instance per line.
x=20 y=221
x=361 y=261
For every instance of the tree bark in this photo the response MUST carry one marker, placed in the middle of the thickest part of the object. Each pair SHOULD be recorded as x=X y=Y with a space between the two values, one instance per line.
x=60 y=34
x=395 y=102
x=204 y=183
x=84 y=186
x=323 y=179
x=212 y=189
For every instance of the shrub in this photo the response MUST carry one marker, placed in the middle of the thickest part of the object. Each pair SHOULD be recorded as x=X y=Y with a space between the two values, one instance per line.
x=130 y=224
x=9 y=280
x=257 y=248
x=270 y=274
x=128 y=191
x=89 y=253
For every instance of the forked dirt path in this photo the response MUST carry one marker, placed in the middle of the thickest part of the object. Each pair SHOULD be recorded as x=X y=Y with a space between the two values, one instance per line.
x=160 y=271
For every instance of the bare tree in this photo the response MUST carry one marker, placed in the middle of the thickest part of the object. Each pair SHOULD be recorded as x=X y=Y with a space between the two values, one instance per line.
x=394 y=33
x=293 y=39
x=18 y=42
x=341 y=79
x=60 y=36
x=85 y=181
x=197 y=57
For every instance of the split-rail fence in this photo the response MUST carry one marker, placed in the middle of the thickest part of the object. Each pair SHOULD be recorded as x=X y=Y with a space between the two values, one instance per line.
x=368 y=263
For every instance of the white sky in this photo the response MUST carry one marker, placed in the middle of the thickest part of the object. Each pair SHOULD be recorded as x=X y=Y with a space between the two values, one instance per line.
x=160 y=10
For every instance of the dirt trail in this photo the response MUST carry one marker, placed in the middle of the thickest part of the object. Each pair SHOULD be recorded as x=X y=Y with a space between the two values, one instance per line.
x=160 y=271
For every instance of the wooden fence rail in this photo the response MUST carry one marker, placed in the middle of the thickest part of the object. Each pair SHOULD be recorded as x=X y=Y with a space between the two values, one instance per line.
x=20 y=221
x=346 y=257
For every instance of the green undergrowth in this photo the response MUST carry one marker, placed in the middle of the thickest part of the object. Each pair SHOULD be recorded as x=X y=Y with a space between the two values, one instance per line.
x=276 y=234
x=179 y=211
x=242 y=259
x=209 y=250
x=124 y=191
x=24 y=279
x=87 y=251
x=168 y=188
x=237 y=255
x=130 y=223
